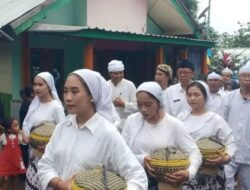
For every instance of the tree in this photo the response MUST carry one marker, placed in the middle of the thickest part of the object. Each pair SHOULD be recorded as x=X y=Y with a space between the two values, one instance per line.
x=240 y=38
x=192 y=6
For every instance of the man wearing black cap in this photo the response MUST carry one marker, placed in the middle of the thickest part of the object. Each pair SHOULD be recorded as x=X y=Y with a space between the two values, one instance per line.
x=176 y=101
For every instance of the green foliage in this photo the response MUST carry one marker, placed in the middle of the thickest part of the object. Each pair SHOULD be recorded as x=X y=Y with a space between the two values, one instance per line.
x=192 y=6
x=221 y=59
x=240 y=38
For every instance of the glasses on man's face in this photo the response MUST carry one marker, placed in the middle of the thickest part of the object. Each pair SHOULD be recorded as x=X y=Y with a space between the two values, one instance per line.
x=183 y=72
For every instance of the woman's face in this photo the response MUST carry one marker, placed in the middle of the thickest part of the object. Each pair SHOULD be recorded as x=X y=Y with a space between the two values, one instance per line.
x=76 y=97
x=40 y=87
x=195 y=98
x=161 y=78
x=147 y=105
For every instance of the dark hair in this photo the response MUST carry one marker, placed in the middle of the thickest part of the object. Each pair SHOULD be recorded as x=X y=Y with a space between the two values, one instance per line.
x=233 y=83
x=184 y=63
x=198 y=85
x=84 y=84
x=26 y=92
x=7 y=124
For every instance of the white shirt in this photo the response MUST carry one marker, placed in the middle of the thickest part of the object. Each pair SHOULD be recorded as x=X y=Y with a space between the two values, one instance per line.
x=96 y=143
x=175 y=100
x=125 y=90
x=51 y=111
x=144 y=139
x=237 y=114
x=208 y=125
x=215 y=103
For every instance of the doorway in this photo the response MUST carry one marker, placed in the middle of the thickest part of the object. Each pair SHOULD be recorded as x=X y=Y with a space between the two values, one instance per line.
x=51 y=60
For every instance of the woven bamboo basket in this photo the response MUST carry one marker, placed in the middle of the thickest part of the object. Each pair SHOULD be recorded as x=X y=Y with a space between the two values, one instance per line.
x=98 y=179
x=41 y=134
x=210 y=149
x=167 y=161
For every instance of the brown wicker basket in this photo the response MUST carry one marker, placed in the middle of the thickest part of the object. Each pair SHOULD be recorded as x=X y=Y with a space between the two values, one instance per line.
x=210 y=149
x=98 y=179
x=41 y=134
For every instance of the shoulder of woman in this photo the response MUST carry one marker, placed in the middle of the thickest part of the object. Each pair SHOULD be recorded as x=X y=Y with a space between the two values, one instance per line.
x=183 y=115
x=135 y=116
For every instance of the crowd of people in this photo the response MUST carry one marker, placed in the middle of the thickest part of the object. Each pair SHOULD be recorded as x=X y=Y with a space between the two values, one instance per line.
x=115 y=124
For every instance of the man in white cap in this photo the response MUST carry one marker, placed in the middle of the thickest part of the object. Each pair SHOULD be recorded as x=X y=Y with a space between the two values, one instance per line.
x=227 y=75
x=215 y=103
x=123 y=91
x=237 y=114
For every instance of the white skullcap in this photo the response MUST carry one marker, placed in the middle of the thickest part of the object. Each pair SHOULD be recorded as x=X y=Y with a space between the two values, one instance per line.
x=100 y=91
x=245 y=68
x=153 y=88
x=115 y=66
x=227 y=70
x=213 y=75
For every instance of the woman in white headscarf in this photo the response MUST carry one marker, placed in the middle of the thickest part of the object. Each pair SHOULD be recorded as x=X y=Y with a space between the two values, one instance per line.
x=46 y=106
x=87 y=138
x=202 y=123
x=152 y=129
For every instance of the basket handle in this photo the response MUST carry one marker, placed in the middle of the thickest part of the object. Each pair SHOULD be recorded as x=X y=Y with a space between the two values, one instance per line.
x=105 y=178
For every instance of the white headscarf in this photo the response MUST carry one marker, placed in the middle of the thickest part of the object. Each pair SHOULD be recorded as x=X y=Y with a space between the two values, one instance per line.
x=36 y=101
x=206 y=88
x=100 y=91
x=227 y=70
x=213 y=75
x=115 y=66
x=153 y=88
x=245 y=68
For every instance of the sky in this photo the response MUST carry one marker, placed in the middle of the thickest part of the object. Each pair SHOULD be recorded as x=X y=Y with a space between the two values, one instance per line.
x=225 y=14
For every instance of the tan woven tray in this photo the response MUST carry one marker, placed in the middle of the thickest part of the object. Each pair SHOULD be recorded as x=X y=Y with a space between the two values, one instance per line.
x=98 y=179
x=210 y=149
x=166 y=161
x=41 y=134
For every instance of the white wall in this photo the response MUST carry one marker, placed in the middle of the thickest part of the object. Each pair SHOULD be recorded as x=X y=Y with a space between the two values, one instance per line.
x=5 y=68
x=118 y=15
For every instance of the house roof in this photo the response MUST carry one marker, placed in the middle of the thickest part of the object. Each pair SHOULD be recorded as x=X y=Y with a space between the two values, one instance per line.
x=172 y=17
x=101 y=33
x=12 y=9
x=21 y=14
